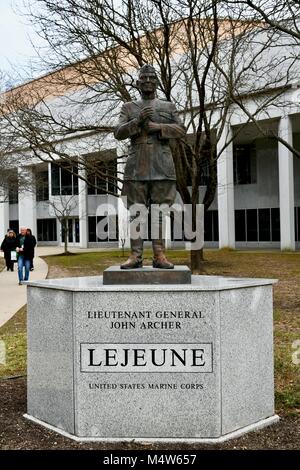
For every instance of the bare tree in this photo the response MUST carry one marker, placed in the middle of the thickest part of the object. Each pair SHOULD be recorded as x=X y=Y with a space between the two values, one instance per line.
x=63 y=208
x=282 y=15
x=210 y=56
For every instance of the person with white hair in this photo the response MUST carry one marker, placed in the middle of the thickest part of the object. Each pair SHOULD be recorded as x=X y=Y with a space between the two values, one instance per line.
x=25 y=251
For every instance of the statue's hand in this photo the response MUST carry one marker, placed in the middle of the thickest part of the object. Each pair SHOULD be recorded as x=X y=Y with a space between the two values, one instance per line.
x=145 y=114
x=153 y=126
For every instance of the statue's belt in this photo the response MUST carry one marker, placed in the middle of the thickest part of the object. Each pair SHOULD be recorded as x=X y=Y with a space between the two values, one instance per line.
x=148 y=139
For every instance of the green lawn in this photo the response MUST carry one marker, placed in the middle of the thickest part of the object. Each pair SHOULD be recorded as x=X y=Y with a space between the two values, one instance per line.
x=282 y=266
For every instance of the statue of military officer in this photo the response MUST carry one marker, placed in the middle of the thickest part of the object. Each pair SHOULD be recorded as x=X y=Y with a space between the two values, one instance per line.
x=149 y=176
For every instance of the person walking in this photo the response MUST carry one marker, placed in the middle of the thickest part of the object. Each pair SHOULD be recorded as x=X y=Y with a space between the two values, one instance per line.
x=29 y=233
x=8 y=246
x=25 y=250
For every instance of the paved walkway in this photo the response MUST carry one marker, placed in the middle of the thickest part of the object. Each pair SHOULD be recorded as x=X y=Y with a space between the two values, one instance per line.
x=13 y=296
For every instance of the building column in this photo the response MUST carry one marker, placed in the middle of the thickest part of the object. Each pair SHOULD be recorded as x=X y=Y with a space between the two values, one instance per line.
x=286 y=186
x=4 y=213
x=50 y=179
x=27 y=199
x=226 y=191
x=83 y=207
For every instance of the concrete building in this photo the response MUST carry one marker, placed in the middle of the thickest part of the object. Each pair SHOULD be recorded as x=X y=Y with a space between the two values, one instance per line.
x=258 y=196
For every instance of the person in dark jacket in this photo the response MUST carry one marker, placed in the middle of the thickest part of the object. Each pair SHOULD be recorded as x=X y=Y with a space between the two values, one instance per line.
x=25 y=250
x=8 y=245
x=29 y=233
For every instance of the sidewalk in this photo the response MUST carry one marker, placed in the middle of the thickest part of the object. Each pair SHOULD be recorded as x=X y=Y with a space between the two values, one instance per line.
x=13 y=296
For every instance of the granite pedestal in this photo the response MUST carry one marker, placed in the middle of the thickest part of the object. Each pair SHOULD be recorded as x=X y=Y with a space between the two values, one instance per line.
x=146 y=275
x=191 y=362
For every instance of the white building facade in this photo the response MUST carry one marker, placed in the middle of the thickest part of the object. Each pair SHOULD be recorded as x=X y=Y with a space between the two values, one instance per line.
x=257 y=202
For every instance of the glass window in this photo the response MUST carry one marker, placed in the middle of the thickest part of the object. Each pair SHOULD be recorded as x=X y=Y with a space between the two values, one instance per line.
x=75 y=179
x=13 y=194
x=66 y=181
x=208 y=226
x=55 y=180
x=92 y=229
x=244 y=164
x=275 y=224
x=42 y=186
x=240 y=225
x=215 y=226
x=211 y=226
x=70 y=230
x=106 y=228
x=46 y=230
x=102 y=178
x=111 y=177
x=252 y=235
x=77 y=231
x=264 y=223
x=14 y=225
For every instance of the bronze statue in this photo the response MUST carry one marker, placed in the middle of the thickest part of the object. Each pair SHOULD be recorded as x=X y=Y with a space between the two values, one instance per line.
x=149 y=172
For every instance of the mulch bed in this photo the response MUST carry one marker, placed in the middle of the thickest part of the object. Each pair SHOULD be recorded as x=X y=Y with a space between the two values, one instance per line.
x=18 y=433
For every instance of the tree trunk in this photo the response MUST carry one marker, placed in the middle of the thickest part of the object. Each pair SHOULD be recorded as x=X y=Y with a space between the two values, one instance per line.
x=66 y=234
x=196 y=257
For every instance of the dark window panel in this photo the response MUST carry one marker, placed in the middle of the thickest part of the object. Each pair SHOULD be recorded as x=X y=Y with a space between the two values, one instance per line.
x=275 y=224
x=77 y=230
x=42 y=192
x=208 y=226
x=240 y=225
x=101 y=183
x=244 y=164
x=13 y=196
x=75 y=179
x=14 y=225
x=66 y=180
x=264 y=223
x=252 y=235
x=215 y=226
x=46 y=230
x=92 y=229
x=70 y=230
x=55 y=180
x=102 y=175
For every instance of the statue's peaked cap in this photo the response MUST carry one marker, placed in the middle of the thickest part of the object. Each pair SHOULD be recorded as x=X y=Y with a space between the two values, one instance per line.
x=147 y=69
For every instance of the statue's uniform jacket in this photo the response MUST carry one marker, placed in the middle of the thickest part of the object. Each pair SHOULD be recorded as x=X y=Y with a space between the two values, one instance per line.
x=149 y=155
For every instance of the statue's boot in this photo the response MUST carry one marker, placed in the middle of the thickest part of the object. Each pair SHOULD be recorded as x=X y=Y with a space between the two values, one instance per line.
x=135 y=260
x=159 y=258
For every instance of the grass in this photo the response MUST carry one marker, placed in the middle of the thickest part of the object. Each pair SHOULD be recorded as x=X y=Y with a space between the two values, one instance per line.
x=283 y=266
x=13 y=336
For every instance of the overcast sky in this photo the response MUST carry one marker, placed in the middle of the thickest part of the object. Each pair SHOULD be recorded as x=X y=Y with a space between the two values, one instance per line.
x=15 y=47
